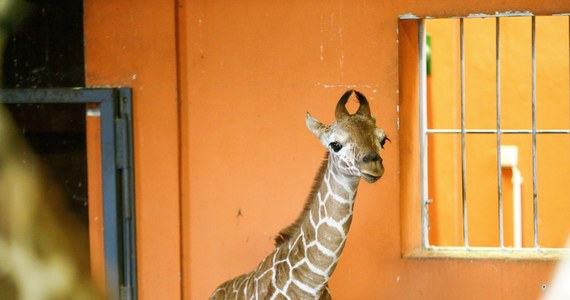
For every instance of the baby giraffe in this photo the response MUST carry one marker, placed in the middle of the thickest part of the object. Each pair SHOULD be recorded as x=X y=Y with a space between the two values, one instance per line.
x=307 y=252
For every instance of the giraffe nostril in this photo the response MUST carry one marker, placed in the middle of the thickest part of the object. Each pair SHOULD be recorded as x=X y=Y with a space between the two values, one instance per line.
x=371 y=157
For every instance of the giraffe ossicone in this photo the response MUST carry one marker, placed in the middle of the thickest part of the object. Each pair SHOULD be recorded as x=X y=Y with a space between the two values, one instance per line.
x=307 y=252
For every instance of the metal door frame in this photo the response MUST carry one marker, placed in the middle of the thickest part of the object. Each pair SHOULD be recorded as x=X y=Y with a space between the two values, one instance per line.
x=115 y=106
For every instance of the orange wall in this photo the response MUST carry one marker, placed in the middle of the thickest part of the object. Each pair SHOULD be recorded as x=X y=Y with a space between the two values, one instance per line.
x=133 y=43
x=552 y=113
x=246 y=73
x=95 y=196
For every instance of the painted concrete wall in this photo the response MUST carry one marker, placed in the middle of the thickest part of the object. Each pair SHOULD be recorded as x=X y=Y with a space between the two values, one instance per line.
x=223 y=160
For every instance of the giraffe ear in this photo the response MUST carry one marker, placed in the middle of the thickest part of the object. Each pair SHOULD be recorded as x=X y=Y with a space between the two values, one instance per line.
x=319 y=129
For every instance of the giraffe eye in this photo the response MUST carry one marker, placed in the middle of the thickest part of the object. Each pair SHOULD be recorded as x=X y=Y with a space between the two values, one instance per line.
x=382 y=142
x=336 y=146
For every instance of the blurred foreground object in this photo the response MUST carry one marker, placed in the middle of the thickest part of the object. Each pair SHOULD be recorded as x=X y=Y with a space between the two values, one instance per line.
x=41 y=253
x=40 y=257
x=559 y=288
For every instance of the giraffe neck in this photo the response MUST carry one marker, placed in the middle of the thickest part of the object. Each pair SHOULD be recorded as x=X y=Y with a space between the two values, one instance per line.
x=307 y=252
x=315 y=249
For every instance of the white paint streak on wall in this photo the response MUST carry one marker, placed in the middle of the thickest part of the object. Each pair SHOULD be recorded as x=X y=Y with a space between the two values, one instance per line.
x=347 y=86
x=322 y=31
x=341 y=40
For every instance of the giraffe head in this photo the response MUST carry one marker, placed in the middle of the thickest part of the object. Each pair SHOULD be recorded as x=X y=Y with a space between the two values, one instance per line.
x=353 y=140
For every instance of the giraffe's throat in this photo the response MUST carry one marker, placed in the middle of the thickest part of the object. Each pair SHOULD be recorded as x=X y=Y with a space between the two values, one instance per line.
x=329 y=218
x=309 y=256
x=308 y=251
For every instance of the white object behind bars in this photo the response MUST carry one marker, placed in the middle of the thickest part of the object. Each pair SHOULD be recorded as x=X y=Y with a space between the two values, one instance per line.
x=509 y=159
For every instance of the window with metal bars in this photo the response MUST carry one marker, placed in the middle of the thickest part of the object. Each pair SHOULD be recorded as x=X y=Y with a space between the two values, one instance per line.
x=494 y=130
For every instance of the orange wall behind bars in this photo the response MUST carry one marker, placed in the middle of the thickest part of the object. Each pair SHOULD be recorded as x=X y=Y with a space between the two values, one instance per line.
x=553 y=158
x=222 y=157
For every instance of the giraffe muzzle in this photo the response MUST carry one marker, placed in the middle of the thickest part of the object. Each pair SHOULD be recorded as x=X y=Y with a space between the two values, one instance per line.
x=370 y=178
x=371 y=167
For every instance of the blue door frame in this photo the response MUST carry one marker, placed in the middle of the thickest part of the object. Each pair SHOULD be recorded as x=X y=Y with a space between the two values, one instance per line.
x=115 y=106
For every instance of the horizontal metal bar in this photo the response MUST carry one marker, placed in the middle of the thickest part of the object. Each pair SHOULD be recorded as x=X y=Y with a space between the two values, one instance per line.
x=57 y=95
x=411 y=16
x=494 y=131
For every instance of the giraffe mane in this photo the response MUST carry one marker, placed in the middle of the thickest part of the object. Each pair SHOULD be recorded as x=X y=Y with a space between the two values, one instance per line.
x=286 y=233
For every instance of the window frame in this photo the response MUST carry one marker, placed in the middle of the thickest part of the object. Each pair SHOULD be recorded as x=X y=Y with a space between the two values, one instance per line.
x=414 y=134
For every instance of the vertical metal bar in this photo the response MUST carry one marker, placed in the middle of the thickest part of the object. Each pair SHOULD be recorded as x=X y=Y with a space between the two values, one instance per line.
x=534 y=178
x=423 y=131
x=498 y=108
x=125 y=145
x=110 y=201
x=463 y=154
